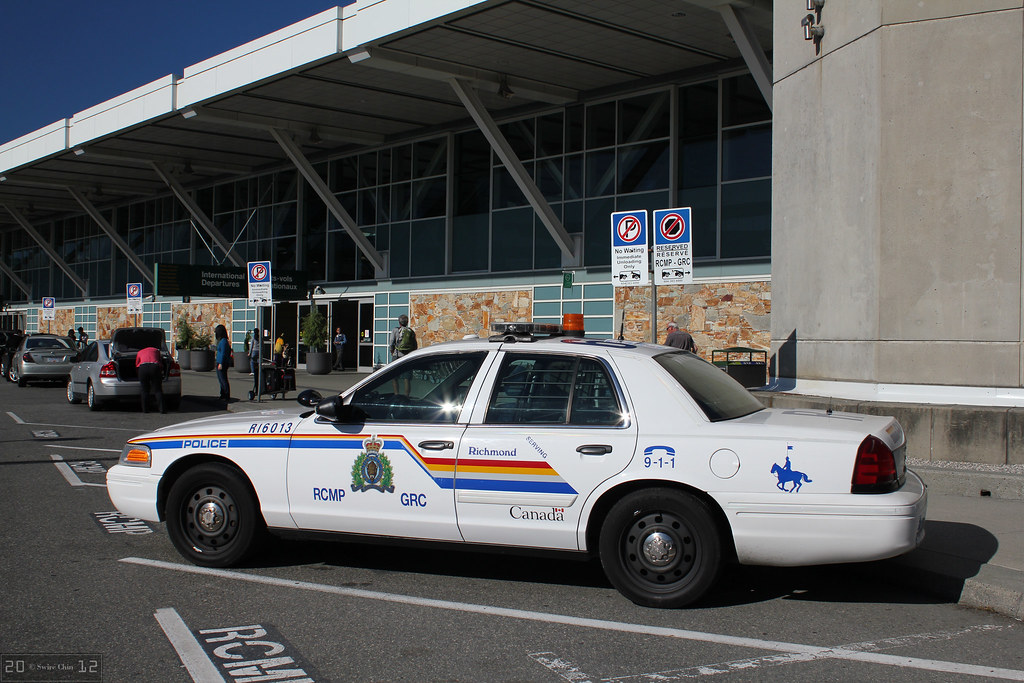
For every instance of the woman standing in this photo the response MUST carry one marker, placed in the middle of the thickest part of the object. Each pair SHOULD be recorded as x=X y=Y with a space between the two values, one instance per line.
x=220 y=333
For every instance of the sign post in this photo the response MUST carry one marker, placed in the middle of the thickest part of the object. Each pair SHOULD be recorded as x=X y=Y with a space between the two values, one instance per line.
x=260 y=294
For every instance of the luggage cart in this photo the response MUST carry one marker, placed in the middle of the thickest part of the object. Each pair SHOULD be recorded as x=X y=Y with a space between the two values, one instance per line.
x=275 y=381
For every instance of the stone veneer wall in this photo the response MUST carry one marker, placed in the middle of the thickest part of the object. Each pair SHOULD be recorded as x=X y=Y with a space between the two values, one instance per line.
x=447 y=316
x=63 y=320
x=718 y=315
x=204 y=316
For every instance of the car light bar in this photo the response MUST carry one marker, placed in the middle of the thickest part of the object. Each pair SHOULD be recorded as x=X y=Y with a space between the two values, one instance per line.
x=523 y=332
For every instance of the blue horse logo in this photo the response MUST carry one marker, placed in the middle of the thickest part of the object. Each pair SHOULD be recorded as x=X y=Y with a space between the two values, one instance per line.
x=786 y=474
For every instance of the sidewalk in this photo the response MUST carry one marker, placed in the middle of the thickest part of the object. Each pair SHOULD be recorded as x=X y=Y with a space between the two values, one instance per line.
x=973 y=552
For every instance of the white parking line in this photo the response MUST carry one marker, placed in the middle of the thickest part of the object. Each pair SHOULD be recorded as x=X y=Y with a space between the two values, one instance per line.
x=571 y=672
x=69 y=474
x=639 y=629
x=53 y=424
x=190 y=652
x=86 y=448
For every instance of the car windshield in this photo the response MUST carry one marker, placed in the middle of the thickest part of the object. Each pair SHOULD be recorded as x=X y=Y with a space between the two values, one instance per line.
x=718 y=395
x=40 y=343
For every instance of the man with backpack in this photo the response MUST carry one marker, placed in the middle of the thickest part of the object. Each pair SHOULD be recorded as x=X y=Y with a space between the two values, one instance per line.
x=403 y=339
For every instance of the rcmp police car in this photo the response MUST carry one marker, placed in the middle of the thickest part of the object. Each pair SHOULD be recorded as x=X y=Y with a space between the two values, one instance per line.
x=648 y=456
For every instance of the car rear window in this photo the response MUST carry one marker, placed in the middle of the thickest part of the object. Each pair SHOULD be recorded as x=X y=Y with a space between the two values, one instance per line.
x=718 y=395
x=47 y=343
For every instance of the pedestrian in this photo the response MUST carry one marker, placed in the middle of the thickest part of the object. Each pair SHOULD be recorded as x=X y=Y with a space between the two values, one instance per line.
x=83 y=338
x=678 y=338
x=223 y=361
x=339 y=349
x=150 y=370
x=254 y=362
x=403 y=339
x=278 y=349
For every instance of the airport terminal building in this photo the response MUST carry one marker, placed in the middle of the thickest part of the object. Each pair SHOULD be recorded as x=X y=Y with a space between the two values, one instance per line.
x=854 y=172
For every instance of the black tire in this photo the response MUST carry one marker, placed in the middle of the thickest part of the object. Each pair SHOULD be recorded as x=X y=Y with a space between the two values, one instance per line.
x=212 y=516
x=72 y=396
x=12 y=371
x=661 y=548
x=91 y=399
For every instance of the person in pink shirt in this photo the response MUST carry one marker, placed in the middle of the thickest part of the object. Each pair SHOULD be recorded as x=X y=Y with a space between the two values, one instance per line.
x=150 y=370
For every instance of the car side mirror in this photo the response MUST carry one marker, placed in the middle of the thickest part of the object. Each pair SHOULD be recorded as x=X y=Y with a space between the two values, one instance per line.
x=334 y=409
x=309 y=398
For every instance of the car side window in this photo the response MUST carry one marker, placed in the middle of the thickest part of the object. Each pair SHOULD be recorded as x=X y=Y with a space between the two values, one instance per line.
x=92 y=353
x=431 y=388
x=553 y=389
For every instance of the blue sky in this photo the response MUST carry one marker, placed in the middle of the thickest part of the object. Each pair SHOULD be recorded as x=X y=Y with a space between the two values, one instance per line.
x=63 y=56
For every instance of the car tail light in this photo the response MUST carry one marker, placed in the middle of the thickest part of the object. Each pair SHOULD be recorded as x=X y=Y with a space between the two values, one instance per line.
x=875 y=470
x=108 y=370
x=27 y=357
x=175 y=370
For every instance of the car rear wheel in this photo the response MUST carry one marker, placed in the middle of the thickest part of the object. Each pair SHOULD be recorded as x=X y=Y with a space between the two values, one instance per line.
x=72 y=396
x=91 y=399
x=661 y=547
x=212 y=516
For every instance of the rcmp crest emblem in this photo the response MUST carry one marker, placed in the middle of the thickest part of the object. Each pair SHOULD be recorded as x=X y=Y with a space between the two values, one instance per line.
x=372 y=469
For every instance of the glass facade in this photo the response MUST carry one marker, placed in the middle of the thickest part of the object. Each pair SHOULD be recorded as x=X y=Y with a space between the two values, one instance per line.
x=446 y=206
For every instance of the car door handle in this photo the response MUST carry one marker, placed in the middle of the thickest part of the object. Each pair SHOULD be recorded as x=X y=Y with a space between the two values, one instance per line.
x=436 y=445
x=594 y=449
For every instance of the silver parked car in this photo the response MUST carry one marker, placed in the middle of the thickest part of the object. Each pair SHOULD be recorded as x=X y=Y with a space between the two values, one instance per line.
x=42 y=357
x=106 y=371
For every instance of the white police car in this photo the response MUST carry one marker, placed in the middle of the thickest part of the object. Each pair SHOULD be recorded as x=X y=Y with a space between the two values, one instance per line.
x=648 y=456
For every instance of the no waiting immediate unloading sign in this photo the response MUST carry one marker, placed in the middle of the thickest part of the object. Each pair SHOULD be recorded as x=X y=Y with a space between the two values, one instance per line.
x=629 y=248
x=260 y=293
x=673 y=247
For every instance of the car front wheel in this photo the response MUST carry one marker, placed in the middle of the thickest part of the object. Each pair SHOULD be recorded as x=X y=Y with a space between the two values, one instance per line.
x=661 y=547
x=12 y=372
x=212 y=516
x=72 y=396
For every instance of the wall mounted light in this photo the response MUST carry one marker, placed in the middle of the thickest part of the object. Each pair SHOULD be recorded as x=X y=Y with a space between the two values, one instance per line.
x=79 y=151
x=189 y=113
x=503 y=88
x=314 y=137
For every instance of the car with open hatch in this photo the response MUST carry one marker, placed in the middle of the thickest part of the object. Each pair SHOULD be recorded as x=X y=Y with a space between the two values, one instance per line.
x=105 y=372
x=644 y=455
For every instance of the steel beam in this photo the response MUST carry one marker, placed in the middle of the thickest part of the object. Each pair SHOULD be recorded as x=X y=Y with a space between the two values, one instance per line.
x=256 y=121
x=50 y=251
x=118 y=241
x=197 y=213
x=481 y=79
x=327 y=197
x=501 y=147
x=750 y=48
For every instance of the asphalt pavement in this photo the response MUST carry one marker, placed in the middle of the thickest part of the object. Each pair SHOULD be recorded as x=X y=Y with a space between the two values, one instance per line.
x=973 y=552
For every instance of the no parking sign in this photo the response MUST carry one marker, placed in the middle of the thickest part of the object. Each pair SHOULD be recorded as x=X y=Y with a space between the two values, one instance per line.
x=49 y=308
x=260 y=291
x=629 y=248
x=134 y=293
x=673 y=247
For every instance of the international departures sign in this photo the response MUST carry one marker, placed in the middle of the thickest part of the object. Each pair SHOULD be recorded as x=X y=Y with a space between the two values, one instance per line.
x=228 y=282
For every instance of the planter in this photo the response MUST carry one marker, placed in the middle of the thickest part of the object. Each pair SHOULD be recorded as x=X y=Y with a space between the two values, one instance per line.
x=202 y=360
x=185 y=359
x=319 y=362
